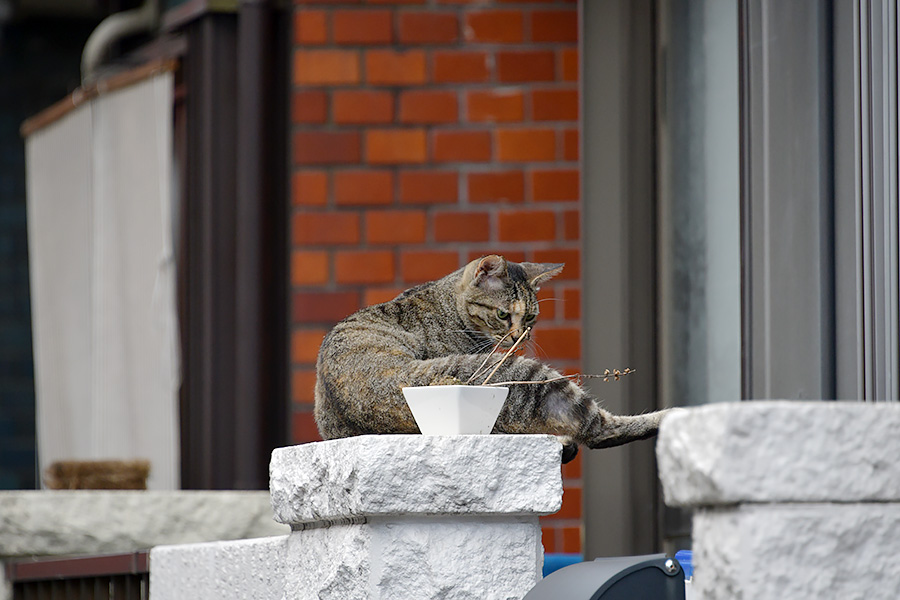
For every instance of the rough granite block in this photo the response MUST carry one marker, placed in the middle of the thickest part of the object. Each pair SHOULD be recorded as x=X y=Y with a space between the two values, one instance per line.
x=781 y=451
x=105 y=521
x=383 y=475
x=797 y=551
x=216 y=570
x=448 y=557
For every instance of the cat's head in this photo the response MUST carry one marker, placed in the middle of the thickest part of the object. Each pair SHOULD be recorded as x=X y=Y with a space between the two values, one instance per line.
x=499 y=298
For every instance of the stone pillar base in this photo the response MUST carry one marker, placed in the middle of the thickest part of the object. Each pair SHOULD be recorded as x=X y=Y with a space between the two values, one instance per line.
x=438 y=557
x=411 y=516
x=796 y=500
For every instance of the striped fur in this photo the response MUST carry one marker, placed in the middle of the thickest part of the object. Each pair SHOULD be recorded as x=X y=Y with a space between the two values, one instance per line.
x=440 y=333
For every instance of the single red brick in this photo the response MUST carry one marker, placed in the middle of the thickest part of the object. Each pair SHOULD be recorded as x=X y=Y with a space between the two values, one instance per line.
x=554 y=26
x=395 y=227
x=326 y=67
x=572 y=300
x=428 y=106
x=326 y=228
x=372 y=296
x=527 y=226
x=419 y=266
x=303 y=428
x=393 y=146
x=570 y=144
x=548 y=303
x=309 y=188
x=364 y=266
x=571 y=258
x=469 y=146
x=494 y=26
x=429 y=187
x=568 y=64
x=554 y=105
x=326 y=147
x=452 y=66
x=392 y=67
x=495 y=105
x=428 y=28
x=303 y=386
x=309 y=107
x=310 y=26
x=526 y=144
x=362 y=106
x=571 y=537
x=572 y=225
x=555 y=185
x=305 y=345
x=462 y=227
x=559 y=343
x=571 y=504
x=362 y=26
x=503 y=186
x=363 y=187
x=309 y=267
x=572 y=469
x=323 y=307
x=548 y=539
x=526 y=65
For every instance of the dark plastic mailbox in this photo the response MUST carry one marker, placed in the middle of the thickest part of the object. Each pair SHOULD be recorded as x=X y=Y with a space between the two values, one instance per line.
x=651 y=577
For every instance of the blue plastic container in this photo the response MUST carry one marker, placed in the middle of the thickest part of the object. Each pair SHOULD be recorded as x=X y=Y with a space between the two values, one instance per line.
x=686 y=559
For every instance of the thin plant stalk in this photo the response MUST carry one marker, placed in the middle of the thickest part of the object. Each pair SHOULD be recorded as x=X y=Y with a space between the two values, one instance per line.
x=480 y=368
x=508 y=352
x=615 y=375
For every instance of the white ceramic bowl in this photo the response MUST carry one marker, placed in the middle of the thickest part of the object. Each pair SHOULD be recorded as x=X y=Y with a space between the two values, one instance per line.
x=455 y=409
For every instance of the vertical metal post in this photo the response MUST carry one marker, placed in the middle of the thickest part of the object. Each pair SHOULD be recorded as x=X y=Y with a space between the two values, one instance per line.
x=256 y=168
x=617 y=83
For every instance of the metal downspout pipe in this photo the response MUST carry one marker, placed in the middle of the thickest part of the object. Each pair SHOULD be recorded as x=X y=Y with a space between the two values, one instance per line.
x=113 y=28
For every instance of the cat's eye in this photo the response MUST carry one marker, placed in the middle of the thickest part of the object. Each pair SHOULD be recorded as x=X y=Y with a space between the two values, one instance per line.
x=502 y=314
x=530 y=318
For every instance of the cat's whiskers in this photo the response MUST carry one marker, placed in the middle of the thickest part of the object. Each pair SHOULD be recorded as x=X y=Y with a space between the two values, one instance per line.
x=483 y=342
x=535 y=347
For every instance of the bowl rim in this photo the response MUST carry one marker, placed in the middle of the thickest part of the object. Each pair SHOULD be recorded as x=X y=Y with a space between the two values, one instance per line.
x=477 y=387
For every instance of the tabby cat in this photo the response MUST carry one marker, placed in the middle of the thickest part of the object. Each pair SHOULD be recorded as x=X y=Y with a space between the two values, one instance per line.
x=440 y=333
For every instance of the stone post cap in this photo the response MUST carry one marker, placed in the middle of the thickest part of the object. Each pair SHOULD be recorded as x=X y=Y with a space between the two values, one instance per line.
x=382 y=475
x=780 y=451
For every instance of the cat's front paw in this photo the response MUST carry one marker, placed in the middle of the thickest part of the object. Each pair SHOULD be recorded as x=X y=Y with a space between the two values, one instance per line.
x=570 y=449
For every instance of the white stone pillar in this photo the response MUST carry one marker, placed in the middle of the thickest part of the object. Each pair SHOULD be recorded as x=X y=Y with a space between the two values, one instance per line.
x=412 y=516
x=796 y=500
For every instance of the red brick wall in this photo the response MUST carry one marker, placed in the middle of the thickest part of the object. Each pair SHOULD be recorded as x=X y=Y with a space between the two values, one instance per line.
x=426 y=134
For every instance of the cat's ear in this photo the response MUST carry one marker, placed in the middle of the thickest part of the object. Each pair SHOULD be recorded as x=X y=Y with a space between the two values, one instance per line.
x=538 y=273
x=490 y=270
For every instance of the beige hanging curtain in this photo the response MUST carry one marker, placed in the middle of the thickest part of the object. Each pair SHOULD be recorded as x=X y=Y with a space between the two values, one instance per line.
x=103 y=276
